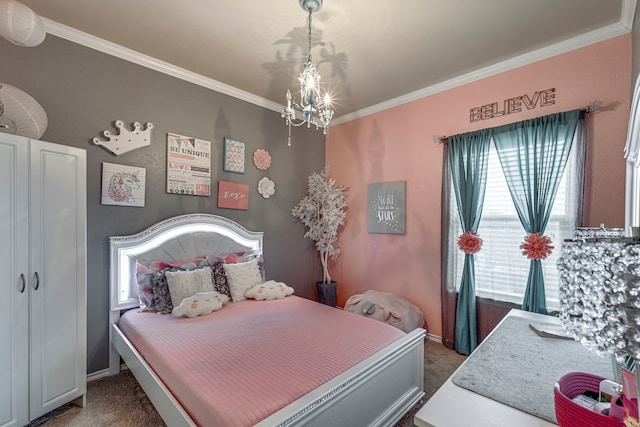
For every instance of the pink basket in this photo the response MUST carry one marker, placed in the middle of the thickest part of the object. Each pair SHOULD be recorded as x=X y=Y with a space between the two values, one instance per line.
x=571 y=414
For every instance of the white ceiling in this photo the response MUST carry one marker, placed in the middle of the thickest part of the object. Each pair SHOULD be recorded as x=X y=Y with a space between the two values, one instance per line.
x=371 y=54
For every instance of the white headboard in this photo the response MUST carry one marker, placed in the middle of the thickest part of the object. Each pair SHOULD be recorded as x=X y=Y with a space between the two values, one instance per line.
x=178 y=238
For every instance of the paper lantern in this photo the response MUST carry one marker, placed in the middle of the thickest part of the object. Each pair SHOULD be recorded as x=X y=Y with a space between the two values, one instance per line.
x=20 y=25
x=29 y=117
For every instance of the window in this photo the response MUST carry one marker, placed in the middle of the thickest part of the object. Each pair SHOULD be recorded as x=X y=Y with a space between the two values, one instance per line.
x=632 y=156
x=500 y=270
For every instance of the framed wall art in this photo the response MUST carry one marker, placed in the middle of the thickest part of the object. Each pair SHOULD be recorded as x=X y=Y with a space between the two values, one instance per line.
x=188 y=165
x=123 y=185
x=386 y=208
x=234 y=155
x=232 y=195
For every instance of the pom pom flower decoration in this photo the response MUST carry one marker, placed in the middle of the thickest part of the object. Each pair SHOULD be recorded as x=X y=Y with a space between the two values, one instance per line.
x=536 y=246
x=469 y=243
x=262 y=159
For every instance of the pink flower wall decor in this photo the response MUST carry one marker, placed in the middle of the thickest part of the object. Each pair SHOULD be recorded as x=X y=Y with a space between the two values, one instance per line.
x=262 y=159
x=536 y=246
x=469 y=243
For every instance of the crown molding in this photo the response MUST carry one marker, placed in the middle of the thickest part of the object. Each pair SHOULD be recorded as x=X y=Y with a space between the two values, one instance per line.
x=84 y=39
x=622 y=27
x=628 y=13
x=592 y=37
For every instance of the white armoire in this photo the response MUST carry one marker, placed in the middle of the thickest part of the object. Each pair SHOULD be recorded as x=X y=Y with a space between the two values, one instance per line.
x=42 y=278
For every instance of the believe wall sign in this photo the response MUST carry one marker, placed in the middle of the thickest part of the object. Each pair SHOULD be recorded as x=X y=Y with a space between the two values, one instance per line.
x=541 y=98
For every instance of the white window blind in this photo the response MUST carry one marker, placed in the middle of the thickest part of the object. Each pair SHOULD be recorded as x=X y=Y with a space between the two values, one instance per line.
x=501 y=270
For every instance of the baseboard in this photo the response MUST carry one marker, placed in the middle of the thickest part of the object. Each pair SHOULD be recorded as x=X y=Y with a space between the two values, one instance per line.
x=436 y=338
x=103 y=373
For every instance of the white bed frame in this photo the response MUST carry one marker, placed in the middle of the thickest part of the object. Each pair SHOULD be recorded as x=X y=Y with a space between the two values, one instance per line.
x=377 y=392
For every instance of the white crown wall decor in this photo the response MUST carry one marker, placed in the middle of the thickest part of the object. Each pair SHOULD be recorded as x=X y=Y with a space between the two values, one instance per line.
x=126 y=140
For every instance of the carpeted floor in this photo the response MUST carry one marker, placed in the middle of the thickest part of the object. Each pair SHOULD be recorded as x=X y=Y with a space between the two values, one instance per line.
x=120 y=401
x=439 y=364
x=112 y=401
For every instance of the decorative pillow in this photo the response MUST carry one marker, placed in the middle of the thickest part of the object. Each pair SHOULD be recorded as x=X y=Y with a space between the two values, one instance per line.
x=200 y=303
x=269 y=290
x=161 y=294
x=219 y=280
x=242 y=277
x=238 y=257
x=187 y=264
x=183 y=284
x=144 y=275
x=145 y=271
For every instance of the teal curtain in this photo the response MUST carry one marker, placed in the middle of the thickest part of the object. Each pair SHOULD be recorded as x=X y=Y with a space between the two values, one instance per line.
x=469 y=157
x=533 y=155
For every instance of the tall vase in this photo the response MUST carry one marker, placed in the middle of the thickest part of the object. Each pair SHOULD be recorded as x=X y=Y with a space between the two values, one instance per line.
x=327 y=293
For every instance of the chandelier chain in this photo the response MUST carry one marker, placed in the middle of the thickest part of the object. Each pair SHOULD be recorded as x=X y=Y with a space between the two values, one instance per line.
x=309 y=57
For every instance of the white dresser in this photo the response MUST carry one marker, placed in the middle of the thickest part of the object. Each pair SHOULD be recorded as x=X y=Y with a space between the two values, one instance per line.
x=42 y=278
x=453 y=406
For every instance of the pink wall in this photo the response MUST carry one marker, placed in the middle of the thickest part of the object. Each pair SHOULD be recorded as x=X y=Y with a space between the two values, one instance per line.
x=397 y=145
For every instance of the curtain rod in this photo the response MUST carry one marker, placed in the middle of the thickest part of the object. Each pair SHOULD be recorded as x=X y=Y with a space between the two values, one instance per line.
x=593 y=106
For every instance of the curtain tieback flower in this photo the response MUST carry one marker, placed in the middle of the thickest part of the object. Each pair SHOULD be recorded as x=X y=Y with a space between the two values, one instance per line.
x=536 y=246
x=469 y=243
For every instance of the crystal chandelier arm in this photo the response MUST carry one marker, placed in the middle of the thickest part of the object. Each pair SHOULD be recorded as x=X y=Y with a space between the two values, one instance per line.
x=308 y=112
x=289 y=113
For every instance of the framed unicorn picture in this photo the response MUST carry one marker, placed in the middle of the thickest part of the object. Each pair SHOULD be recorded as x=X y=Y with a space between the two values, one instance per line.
x=123 y=185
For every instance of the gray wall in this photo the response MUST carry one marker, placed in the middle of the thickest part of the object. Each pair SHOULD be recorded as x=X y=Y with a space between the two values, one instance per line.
x=84 y=91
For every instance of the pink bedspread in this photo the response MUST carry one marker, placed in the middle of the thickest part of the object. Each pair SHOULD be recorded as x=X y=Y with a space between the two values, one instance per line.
x=239 y=365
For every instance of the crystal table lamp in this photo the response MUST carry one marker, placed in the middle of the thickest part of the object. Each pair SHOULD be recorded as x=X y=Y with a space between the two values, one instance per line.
x=599 y=295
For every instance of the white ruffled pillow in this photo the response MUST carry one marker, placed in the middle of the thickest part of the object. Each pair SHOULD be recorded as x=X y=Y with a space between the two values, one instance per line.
x=242 y=277
x=183 y=284
x=269 y=290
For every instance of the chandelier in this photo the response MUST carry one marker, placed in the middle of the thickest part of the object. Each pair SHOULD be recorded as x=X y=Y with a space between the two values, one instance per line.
x=314 y=108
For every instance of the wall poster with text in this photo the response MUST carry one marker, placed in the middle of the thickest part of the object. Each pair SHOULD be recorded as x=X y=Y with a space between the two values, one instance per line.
x=188 y=165
x=232 y=195
x=386 y=207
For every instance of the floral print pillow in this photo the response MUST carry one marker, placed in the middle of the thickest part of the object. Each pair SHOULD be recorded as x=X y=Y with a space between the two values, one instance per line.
x=219 y=280
x=161 y=294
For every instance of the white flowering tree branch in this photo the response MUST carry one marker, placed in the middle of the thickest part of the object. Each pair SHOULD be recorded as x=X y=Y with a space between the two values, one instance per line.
x=323 y=212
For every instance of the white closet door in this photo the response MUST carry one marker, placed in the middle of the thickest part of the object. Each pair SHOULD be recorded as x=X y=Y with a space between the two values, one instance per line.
x=57 y=275
x=14 y=293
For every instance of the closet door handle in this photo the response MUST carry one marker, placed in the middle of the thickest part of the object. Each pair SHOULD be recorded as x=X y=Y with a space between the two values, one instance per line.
x=37 y=285
x=24 y=283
